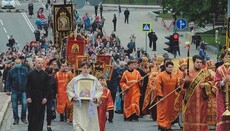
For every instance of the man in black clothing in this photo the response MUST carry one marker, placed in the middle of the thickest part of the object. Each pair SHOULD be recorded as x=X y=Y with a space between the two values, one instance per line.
x=140 y=68
x=51 y=98
x=152 y=40
x=95 y=9
x=114 y=22
x=101 y=10
x=11 y=42
x=127 y=13
x=31 y=9
x=37 y=35
x=5 y=73
x=112 y=86
x=37 y=91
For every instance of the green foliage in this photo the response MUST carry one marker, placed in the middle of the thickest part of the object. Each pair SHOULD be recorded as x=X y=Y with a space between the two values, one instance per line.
x=210 y=39
x=199 y=11
x=168 y=15
x=142 y=2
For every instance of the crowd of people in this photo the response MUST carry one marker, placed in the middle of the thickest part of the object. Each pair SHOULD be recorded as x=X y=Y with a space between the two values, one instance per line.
x=37 y=78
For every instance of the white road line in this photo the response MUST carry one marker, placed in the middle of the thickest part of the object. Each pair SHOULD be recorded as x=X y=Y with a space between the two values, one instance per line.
x=42 y=4
x=1 y=22
x=5 y=30
x=17 y=2
x=8 y=36
x=28 y=22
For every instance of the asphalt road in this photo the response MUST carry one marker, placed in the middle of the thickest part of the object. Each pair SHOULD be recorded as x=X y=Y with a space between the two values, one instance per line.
x=144 y=124
x=22 y=27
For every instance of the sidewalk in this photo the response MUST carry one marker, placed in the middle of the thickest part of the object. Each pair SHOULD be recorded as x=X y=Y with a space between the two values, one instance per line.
x=4 y=103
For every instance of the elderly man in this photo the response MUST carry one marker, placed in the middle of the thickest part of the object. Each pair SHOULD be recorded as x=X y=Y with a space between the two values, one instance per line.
x=16 y=83
x=37 y=91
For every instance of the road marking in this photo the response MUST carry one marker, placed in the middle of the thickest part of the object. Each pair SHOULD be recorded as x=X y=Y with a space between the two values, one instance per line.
x=42 y=4
x=8 y=36
x=1 y=22
x=28 y=22
x=17 y=2
x=5 y=30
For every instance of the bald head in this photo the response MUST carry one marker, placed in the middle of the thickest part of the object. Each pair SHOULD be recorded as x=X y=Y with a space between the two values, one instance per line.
x=17 y=61
x=122 y=64
x=39 y=63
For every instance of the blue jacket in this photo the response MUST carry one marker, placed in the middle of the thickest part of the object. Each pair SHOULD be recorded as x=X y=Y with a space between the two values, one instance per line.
x=16 y=79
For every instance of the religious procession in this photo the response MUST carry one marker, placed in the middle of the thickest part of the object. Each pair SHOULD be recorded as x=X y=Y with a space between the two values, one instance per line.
x=85 y=76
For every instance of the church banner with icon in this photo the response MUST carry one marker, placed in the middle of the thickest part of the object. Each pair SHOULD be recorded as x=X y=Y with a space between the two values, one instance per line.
x=74 y=48
x=104 y=58
x=108 y=70
x=63 y=23
x=79 y=60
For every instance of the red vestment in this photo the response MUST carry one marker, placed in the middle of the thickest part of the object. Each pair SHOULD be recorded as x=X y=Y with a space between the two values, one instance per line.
x=150 y=93
x=212 y=101
x=195 y=111
x=223 y=124
x=62 y=99
x=165 y=84
x=132 y=95
x=107 y=104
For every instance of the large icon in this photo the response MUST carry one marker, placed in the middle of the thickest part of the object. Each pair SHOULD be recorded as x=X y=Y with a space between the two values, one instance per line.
x=94 y=2
x=79 y=3
x=181 y=24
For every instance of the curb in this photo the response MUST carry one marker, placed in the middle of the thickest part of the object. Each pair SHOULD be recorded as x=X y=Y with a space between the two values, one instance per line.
x=4 y=109
x=134 y=6
x=11 y=10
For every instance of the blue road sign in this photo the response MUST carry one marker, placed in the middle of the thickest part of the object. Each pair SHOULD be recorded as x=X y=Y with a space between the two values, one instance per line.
x=181 y=24
x=146 y=27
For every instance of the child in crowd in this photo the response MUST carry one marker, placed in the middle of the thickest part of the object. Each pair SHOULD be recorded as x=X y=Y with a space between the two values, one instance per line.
x=106 y=103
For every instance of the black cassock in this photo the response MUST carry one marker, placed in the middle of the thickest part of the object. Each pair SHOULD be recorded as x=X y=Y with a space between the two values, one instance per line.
x=37 y=88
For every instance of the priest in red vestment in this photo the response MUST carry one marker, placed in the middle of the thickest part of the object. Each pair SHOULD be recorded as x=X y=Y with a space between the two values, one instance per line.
x=195 y=103
x=222 y=80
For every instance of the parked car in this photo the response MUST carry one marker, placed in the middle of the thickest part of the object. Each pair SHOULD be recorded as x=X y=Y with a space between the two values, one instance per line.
x=8 y=4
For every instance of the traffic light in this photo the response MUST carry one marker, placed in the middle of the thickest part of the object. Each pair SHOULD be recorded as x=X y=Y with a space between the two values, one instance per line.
x=175 y=39
x=173 y=44
x=169 y=43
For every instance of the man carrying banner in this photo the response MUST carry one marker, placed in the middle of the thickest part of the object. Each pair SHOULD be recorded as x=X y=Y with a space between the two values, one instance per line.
x=195 y=101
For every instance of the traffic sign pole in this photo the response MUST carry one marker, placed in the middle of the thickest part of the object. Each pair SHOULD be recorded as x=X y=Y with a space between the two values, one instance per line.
x=146 y=27
x=146 y=43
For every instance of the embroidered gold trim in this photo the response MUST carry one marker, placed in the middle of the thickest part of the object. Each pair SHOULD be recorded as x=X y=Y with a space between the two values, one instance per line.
x=223 y=122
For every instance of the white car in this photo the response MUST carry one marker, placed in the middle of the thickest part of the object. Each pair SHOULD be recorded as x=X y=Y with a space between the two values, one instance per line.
x=8 y=4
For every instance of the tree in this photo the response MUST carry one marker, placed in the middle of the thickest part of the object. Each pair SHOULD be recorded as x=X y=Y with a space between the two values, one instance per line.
x=199 y=11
